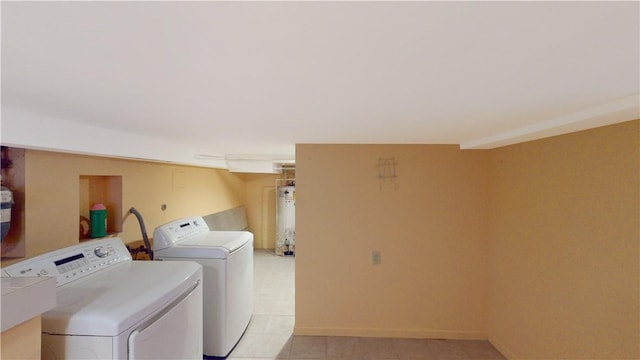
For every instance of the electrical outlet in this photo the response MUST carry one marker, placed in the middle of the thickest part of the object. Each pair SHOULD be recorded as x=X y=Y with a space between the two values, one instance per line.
x=376 y=259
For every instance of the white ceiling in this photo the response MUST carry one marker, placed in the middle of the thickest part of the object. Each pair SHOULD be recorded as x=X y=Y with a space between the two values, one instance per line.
x=205 y=82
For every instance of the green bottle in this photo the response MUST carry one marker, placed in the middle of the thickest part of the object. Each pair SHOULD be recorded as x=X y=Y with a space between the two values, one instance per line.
x=98 y=216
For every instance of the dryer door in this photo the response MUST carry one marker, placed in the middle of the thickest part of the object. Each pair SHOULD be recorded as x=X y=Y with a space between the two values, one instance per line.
x=175 y=333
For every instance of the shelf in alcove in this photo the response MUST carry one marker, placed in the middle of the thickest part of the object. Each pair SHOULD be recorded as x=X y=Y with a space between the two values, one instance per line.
x=101 y=189
x=109 y=235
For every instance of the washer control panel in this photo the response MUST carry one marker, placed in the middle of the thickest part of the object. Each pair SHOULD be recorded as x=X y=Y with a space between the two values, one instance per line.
x=73 y=262
x=166 y=235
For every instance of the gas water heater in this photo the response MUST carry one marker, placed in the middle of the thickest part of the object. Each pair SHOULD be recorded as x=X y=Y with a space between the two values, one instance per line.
x=285 y=217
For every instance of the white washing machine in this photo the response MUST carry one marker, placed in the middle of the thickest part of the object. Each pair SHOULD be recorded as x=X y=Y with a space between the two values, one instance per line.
x=110 y=307
x=227 y=263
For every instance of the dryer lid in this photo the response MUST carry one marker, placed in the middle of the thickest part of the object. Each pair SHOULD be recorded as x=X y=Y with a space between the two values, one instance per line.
x=112 y=301
x=212 y=244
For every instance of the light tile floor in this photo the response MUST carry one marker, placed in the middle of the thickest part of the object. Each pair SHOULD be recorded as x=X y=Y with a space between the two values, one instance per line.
x=269 y=335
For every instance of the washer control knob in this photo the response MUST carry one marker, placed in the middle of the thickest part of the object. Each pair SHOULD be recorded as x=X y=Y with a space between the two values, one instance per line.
x=99 y=252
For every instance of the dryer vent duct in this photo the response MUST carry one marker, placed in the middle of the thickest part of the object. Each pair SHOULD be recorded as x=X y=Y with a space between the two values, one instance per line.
x=143 y=229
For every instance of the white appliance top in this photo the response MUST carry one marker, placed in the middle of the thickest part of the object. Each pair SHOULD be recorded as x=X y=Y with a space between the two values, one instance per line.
x=191 y=238
x=101 y=291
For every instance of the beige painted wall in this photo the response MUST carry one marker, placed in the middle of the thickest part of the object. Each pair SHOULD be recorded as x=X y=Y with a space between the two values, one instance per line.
x=261 y=208
x=564 y=256
x=535 y=246
x=23 y=341
x=430 y=226
x=52 y=195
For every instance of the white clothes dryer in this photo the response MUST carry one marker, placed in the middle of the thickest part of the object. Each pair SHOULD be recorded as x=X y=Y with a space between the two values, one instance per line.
x=227 y=261
x=110 y=307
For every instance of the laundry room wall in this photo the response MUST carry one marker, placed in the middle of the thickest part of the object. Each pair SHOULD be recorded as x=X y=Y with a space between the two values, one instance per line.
x=261 y=208
x=52 y=195
x=565 y=243
x=429 y=225
x=534 y=246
